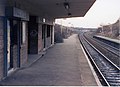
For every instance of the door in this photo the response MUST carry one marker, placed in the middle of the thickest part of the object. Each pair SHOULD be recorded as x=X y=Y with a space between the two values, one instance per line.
x=43 y=35
x=33 y=38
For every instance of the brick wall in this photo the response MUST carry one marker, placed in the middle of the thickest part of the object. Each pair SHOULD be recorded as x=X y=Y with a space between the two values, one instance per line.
x=48 y=42
x=24 y=50
x=2 y=9
x=1 y=48
x=2 y=13
x=40 y=47
x=15 y=55
x=24 y=54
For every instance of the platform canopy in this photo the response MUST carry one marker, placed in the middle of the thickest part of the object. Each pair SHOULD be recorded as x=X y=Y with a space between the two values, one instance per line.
x=55 y=8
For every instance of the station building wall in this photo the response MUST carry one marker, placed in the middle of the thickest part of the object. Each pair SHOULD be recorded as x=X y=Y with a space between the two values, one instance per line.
x=2 y=15
x=40 y=46
x=24 y=45
x=47 y=36
x=1 y=48
x=20 y=50
x=43 y=38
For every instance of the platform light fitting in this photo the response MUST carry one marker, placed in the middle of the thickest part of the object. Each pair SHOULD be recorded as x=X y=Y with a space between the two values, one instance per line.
x=44 y=20
x=66 y=5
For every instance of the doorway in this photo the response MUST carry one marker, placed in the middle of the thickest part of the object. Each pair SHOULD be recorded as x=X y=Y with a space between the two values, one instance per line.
x=44 y=35
x=13 y=43
x=51 y=34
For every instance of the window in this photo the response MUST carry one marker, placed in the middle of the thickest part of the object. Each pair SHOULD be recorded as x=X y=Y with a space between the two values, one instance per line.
x=23 y=32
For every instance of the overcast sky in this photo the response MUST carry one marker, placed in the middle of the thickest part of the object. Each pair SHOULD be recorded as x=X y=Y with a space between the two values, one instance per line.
x=102 y=12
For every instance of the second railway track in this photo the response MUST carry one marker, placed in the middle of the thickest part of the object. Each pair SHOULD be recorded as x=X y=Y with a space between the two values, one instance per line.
x=109 y=72
x=112 y=54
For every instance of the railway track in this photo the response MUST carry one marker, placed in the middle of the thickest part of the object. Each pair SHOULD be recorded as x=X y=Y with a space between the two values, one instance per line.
x=110 y=48
x=108 y=71
x=112 y=53
x=114 y=50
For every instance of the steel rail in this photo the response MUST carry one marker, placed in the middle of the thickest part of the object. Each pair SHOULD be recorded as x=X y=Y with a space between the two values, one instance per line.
x=82 y=39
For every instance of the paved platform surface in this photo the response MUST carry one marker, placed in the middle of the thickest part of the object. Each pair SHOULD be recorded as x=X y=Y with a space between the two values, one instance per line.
x=64 y=64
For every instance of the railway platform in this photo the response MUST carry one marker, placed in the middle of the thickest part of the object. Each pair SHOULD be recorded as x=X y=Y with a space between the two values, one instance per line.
x=64 y=64
x=109 y=39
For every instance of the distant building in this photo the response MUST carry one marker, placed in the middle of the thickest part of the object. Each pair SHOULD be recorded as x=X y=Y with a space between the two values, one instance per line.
x=111 y=30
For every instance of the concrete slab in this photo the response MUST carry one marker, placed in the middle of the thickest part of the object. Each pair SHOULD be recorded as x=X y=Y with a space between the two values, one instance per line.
x=63 y=65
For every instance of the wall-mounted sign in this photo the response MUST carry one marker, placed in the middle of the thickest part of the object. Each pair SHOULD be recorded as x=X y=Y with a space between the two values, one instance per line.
x=20 y=13
x=16 y=12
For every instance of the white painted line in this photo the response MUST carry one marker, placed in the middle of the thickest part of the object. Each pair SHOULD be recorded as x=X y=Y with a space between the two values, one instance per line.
x=91 y=67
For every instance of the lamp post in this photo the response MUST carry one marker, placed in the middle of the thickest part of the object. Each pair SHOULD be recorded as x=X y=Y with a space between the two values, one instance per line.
x=102 y=29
